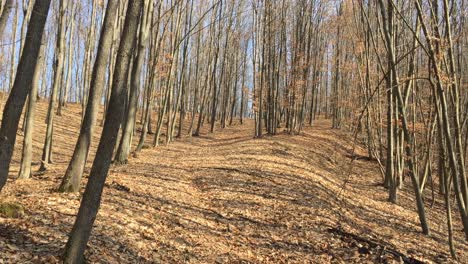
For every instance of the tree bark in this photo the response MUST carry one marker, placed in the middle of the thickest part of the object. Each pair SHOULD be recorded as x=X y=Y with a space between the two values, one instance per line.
x=92 y=195
x=125 y=144
x=25 y=167
x=21 y=87
x=58 y=68
x=72 y=179
x=7 y=8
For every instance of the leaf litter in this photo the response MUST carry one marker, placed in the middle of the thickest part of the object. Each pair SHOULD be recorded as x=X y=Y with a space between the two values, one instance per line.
x=225 y=198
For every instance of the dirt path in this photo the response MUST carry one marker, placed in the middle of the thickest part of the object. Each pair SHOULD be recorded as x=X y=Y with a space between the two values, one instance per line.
x=229 y=198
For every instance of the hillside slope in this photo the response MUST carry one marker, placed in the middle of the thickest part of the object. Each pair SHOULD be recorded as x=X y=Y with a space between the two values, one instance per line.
x=225 y=198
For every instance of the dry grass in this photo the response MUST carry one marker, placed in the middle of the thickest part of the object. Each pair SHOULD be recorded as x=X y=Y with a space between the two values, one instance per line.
x=225 y=198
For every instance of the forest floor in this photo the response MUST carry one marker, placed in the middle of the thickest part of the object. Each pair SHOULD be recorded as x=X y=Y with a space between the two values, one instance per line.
x=226 y=198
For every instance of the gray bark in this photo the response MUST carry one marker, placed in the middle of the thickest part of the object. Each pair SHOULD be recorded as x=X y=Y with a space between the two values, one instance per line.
x=72 y=179
x=6 y=11
x=25 y=167
x=128 y=128
x=21 y=87
x=81 y=231
x=58 y=68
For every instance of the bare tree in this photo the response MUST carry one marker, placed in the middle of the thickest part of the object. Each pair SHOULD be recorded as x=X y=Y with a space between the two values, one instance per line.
x=128 y=127
x=58 y=68
x=72 y=179
x=7 y=8
x=26 y=157
x=92 y=195
x=21 y=87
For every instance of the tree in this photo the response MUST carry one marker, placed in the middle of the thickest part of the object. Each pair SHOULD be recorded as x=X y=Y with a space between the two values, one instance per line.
x=66 y=76
x=72 y=179
x=21 y=87
x=57 y=81
x=128 y=127
x=26 y=157
x=8 y=6
x=92 y=195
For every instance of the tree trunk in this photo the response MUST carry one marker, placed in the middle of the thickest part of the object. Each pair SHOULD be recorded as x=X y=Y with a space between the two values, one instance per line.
x=64 y=92
x=92 y=195
x=72 y=179
x=125 y=144
x=21 y=87
x=25 y=167
x=7 y=8
x=58 y=68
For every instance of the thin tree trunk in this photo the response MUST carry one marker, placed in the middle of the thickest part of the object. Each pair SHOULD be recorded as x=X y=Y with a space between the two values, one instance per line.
x=64 y=98
x=58 y=68
x=6 y=11
x=72 y=179
x=125 y=144
x=26 y=157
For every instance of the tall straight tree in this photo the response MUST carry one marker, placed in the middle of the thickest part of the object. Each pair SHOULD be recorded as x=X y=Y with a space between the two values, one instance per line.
x=154 y=53
x=66 y=76
x=14 y=30
x=128 y=127
x=72 y=179
x=26 y=157
x=7 y=8
x=21 y=87
x=92 y=196
x=58 y=68
x=458 y=178
x=214 y=83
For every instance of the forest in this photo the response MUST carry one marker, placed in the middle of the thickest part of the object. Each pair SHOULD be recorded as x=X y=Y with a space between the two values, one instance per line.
x=233 y=131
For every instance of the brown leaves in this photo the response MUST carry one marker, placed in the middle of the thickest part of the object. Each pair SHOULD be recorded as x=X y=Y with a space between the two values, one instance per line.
x=223 y=198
